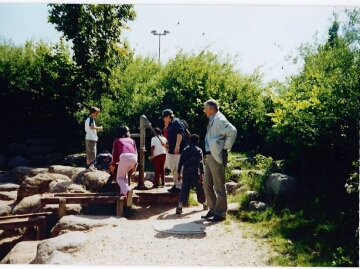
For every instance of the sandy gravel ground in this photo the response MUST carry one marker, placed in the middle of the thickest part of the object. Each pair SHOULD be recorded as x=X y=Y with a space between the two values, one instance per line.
x=136 y=242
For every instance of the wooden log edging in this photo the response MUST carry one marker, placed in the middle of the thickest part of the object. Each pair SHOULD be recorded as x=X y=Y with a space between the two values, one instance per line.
x=84 y=199
x=21 y=221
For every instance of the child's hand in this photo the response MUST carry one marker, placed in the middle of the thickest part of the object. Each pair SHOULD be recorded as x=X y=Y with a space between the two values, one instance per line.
x=112 y=169
x=201 y=178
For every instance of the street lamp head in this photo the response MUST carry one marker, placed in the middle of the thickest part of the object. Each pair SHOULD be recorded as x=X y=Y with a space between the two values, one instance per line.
x=153 y=32
x=166 y=32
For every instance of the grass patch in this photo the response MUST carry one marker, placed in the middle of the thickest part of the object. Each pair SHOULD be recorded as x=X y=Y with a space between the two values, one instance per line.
x=310 y=233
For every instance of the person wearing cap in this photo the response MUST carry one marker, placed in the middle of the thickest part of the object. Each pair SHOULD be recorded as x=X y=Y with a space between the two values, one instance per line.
x=91 y=137
x=220 y=137
x=102 y=161
x=177 y=142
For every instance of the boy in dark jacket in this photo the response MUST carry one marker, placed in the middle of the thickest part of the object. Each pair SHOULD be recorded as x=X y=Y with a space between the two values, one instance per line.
x=192 y=165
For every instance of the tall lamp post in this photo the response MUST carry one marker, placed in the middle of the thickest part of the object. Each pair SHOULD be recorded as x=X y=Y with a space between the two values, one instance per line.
x=160 y=34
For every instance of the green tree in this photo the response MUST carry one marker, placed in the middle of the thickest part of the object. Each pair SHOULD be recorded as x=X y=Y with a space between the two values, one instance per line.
x=36 y=83
x=188 y=80
x=94 y=31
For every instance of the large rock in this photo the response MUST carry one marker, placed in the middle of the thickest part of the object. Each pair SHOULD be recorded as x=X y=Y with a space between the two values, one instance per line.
x=71 y=209
x=231 y=187
x=18 y=161
x=9 y=187
x=5 y=209
x=61 y=258
x=38 y=184
x=252 y=194
x=75 y=188
x=72 y=172
x=18 y=174
x=31 y=204
x=22 y=253
x=58 y=186
x=83 y=223
x=66 y=243
x=257 y=206
x=65 y=185
x=280 y=188
x=233 y=208
x=95 y=180
x=8 y=195
x=78 y=159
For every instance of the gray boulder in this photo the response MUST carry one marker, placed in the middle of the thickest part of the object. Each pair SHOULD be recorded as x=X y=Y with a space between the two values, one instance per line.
x=8 y=195
x=280 y=188
x=83 y=223
x=76 y=174
x=257 y=206
x=65 y=243
x=18 y=174
x=38 y=184
x=31 y=204
x=252 y=194
x=78 y=159
x=233 y=208
x=5 y=209
x=58 y=257
x=95 y=180
x=231 y=187
x=9 y=187
x=58 y=186
x=22 y=253
x=18 y=161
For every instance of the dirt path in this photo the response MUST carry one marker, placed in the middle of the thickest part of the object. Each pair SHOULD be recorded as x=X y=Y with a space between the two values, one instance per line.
x=137 y=242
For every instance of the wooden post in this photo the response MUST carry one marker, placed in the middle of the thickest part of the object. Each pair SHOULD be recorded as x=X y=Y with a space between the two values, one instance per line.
x=41 y=229
x=120 y=206
x=62 y=208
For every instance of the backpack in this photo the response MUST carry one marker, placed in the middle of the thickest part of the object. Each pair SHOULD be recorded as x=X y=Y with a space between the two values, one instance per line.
x=186 y=127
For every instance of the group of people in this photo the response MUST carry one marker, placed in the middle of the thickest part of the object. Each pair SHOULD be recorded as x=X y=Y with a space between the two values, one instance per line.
x=182 y=156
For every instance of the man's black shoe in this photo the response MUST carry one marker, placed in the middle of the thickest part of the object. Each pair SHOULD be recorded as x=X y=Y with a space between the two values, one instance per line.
x=217 y=218
x=174 y=190
x=208 y=215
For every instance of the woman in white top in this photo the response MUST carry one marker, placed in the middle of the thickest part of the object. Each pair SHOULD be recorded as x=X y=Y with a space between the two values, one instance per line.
x=158 y=155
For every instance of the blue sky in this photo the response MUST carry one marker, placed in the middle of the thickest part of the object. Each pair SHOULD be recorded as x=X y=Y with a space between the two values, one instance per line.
x=253 y=36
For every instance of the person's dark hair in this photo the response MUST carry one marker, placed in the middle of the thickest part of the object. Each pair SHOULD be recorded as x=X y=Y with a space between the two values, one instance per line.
x=194 y=139
x=123 y=131
x=94 y=109
x=157 y=131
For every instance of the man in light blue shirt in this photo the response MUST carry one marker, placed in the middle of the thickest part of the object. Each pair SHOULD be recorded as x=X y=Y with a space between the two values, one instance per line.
x=220 y=137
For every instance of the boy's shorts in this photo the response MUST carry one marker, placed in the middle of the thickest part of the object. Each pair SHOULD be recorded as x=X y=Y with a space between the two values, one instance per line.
x=90 y=149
